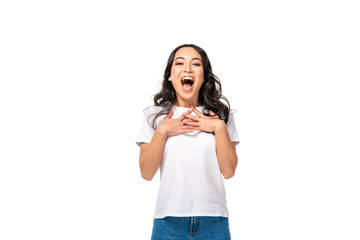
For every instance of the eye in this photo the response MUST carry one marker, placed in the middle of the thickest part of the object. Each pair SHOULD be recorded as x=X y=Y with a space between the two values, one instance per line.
x=197 y=64
x=179 y=63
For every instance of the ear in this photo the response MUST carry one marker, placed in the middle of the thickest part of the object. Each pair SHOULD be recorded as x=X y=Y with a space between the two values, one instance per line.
x=169 y=79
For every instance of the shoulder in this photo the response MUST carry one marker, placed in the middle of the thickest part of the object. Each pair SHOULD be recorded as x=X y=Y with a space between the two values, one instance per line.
x=151 y=115
x=152 y=110
x=231 y=116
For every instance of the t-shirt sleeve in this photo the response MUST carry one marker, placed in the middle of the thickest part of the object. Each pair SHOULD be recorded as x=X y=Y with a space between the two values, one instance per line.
x=232 y=129
x=146 y=131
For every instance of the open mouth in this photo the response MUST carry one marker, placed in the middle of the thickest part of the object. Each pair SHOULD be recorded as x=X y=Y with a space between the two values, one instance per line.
x=187 y=83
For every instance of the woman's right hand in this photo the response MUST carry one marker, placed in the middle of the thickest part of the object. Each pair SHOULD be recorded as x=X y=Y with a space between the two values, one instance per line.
x=173 y=127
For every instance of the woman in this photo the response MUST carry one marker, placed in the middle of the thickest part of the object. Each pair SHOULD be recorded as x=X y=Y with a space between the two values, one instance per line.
x=191 y=135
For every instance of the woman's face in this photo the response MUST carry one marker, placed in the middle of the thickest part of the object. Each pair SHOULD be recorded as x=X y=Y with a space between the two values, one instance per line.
x=187 y=75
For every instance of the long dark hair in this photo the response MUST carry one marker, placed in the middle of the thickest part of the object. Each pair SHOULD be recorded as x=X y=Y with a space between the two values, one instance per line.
x=210 y=94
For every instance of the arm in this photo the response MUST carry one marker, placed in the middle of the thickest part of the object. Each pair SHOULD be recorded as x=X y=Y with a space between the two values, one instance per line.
x=151 y=153
x=225 y=149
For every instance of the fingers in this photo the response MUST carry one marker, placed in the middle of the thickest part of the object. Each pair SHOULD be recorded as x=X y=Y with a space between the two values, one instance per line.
x=170 y=114
x=185 y=128
x=192 y=123
x=187 y=120
x=197 y=111
x=212 y=114
x=182 y=117
x=194 y=118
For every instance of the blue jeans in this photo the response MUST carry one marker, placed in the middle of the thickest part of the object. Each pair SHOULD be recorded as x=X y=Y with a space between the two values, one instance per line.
x=200 y=228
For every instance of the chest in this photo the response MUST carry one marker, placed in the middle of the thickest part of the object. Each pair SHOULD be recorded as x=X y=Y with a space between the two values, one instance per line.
x=198 y=144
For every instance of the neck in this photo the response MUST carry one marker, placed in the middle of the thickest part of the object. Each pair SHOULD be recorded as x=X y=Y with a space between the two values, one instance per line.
x=186 y=103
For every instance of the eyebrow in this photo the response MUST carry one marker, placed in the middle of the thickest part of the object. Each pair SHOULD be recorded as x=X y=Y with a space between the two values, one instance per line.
x=195 y=58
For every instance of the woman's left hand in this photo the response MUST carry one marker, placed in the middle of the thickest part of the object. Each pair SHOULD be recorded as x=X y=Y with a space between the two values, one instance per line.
x=203 y=122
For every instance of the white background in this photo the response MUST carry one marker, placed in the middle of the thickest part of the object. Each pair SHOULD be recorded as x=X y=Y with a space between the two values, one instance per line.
x=76 y=75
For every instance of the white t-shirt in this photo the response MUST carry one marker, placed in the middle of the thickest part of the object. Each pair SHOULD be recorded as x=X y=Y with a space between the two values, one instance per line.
x=191 y=183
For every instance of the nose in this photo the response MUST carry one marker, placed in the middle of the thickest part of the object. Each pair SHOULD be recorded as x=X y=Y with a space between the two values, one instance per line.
x=188 y=68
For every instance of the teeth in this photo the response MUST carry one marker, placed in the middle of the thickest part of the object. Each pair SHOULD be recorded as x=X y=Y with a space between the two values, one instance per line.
x=187 y=80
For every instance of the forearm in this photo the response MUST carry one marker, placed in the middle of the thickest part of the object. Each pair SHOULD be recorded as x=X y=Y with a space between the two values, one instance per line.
x=226 y=151
x=151 y=156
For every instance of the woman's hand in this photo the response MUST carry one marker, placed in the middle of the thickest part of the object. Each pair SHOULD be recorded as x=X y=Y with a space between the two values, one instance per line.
x=203 y=122
x=173 y=127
